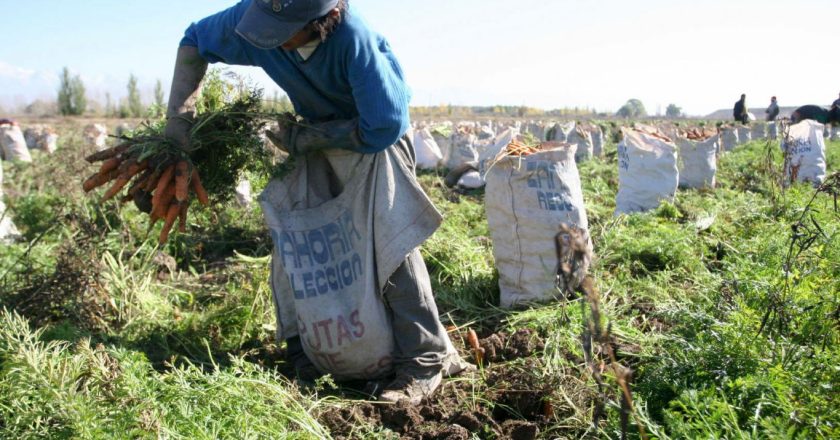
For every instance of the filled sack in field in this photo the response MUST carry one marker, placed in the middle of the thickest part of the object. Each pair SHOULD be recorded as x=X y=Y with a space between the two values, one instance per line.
x=759 y=131
x=537 y=130
x=427 y=150
x=14 y=144
x=243 y=193
x=647 y=171
x=835 y=133
x=95 y=136
x=804 y=150
x=698 y=162
x=526 y=200
x=597 y=140
x=40 y=137
x=744 y=134
x=463 y=149
x=560 y=131
x=443 y=137
x=8 y=231
x=728 y=138
x=337 y=241
x=582 y=139
x=772 y=130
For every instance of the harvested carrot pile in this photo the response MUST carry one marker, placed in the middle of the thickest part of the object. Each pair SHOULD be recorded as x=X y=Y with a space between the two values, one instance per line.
x=516 y=148
x=697 y=134
x=162 y=179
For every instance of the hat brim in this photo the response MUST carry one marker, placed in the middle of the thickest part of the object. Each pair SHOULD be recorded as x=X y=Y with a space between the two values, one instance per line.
x=265 y=30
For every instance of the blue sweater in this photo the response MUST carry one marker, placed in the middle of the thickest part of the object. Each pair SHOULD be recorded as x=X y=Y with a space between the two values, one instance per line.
x=352 y=74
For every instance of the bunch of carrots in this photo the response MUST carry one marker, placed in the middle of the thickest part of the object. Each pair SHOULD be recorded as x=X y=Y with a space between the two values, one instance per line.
x=516 y=148
x=159 y=185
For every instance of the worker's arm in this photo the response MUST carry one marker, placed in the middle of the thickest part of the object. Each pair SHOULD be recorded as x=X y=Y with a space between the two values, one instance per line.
x=190 y=68
x=212 y=39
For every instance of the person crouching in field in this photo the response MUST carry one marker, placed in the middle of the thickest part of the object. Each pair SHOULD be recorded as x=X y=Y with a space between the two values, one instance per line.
x=340 y=257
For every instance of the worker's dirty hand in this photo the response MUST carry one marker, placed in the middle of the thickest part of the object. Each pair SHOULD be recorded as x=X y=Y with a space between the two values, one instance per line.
x=283 y=136
x=178 y=129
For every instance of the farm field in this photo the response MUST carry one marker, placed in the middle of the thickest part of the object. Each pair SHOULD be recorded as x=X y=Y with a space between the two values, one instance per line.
x=726 y=314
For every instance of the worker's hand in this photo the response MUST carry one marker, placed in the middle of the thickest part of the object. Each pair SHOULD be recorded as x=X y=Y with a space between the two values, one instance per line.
x=178 y=131
x=284 y=136
x=299 y=138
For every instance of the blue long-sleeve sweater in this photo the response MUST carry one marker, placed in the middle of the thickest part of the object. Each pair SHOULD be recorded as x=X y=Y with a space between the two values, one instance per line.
x=352 y=74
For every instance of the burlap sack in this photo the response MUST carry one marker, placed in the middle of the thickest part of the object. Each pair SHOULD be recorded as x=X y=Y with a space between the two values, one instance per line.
x=647 y=172
x=804 y=150
x=698 y=162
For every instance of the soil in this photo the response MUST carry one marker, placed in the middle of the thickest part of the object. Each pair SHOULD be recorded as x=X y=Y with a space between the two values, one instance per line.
x=513 y=402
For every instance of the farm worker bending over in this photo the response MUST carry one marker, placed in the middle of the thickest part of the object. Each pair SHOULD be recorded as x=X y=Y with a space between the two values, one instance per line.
x=351 y=290
x=816 y=113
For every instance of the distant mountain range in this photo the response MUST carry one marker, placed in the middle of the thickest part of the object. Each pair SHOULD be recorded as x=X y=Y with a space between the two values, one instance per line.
x=757 y=111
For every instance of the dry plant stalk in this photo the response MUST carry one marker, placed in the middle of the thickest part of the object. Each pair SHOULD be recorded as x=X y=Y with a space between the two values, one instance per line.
x=572 y=251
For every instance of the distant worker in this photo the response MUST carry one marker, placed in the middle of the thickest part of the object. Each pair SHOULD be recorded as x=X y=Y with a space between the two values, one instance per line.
x=817 y=113
x=773 y=110
x=740 y=111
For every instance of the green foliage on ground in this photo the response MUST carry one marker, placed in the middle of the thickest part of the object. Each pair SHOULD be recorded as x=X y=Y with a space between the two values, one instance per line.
x=104 y=337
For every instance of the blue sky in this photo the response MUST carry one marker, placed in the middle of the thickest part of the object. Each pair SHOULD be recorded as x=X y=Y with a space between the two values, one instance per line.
x=548 y=53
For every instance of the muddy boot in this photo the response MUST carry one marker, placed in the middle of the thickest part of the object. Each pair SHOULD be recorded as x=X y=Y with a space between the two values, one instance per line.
x=305 y=370
x=411 y=387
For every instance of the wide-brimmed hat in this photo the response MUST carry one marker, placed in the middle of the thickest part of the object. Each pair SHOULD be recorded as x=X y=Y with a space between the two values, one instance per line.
x=270 y=23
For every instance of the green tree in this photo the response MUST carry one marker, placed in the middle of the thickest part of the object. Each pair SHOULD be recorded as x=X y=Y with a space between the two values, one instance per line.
x=673 y=111
x=632 y=109
x=71 y=94
x=135 y=105
x=160 y=105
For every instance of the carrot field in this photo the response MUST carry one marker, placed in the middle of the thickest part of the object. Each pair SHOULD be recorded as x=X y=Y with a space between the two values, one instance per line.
x=723 y=312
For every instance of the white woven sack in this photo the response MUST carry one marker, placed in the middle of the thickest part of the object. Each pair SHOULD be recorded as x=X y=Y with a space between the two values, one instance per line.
x=8 y=231
x=772 y=130
x=537 y=129
x=835 y=133
x=95 y=136
x=647 y=172
x=426 y=149
x=445 y=145
x=728 y=138
x=14 y=144
x=526 y=200
x=597 y=141
x=759 y=131
x=805 y=152
x=583 y=139
x=744 y=135
x=471 y=180
x=463 y=150
x=560 y=131
x=698 y=162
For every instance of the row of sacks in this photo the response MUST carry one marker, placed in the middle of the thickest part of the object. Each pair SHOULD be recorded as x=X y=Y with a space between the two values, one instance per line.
x=652 y=166
x=16 y=143
x=537 y=216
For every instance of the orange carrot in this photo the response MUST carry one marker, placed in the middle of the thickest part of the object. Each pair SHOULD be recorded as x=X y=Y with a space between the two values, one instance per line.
x=165 y=200
x=182 y=174
x=162 y=184
x=131 y=170
x=182 y=217
x=472 y=339
x=110 y=164
x=99 y=179
x=200 y=192
x=140 y=182
x=107 y=154
x=171 y=215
